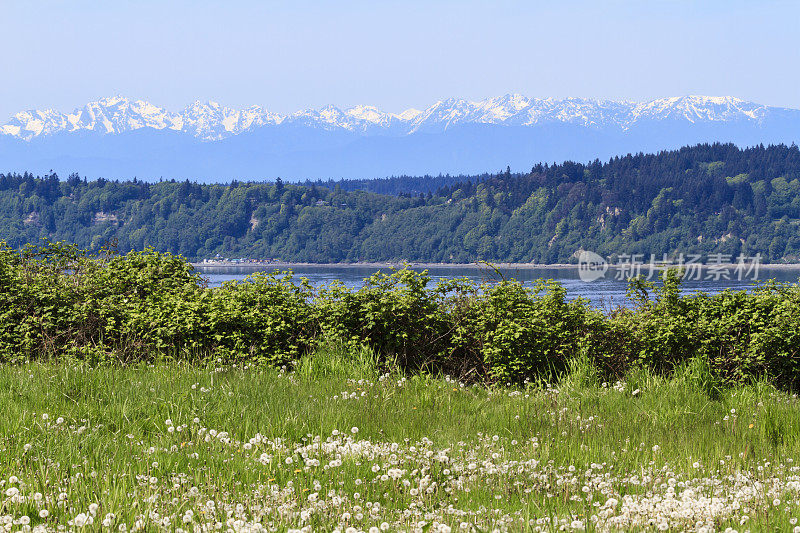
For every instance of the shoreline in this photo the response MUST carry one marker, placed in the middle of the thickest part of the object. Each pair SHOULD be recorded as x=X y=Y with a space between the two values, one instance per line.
x=481 y=265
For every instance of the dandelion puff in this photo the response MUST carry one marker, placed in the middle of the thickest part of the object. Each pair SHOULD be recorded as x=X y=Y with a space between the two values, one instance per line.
x=577 y=524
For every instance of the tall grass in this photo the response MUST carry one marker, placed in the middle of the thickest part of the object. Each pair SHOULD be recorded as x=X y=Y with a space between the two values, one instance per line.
x=333 y=359
x=149 y=443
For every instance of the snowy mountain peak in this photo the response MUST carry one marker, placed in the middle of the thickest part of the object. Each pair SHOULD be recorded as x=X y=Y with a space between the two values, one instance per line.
x=210 y=121
x=700 y=108
x=409 y=114
x=368 y=113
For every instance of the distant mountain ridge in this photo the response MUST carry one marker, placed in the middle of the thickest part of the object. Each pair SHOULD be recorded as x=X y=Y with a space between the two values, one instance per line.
x=211 y=121
x=210 y=141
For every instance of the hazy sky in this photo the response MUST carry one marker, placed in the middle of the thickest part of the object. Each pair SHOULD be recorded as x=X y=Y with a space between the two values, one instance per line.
x=296 y=54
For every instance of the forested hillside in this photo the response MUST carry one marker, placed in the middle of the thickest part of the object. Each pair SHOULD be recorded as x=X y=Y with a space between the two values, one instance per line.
x=398 y=185
x=701 y=199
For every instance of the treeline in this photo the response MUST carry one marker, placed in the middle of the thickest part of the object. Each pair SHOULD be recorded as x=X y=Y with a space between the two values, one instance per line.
x=398 y=185
x=705 y=199
x=57 y=302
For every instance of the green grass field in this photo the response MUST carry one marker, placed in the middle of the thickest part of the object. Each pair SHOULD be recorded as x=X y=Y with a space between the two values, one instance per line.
x=339 y=445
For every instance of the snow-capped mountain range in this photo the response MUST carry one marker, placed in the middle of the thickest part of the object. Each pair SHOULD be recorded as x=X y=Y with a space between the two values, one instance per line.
x=122 y=138
x=212 y=122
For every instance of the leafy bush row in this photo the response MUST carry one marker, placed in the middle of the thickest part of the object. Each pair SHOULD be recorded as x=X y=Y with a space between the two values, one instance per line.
x=57 y=301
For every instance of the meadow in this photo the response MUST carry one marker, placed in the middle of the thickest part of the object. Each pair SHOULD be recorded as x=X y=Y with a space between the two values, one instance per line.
x=345 y=443
x=135 y=398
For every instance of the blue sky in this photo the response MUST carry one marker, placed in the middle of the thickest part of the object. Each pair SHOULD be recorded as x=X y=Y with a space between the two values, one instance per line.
x=297 y=54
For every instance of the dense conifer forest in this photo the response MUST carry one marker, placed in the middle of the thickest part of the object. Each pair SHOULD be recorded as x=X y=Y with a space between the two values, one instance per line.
x=397 y=185
x=701 y=199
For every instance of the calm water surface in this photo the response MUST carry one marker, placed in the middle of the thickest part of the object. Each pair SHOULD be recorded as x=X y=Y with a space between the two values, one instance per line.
x=605 y=293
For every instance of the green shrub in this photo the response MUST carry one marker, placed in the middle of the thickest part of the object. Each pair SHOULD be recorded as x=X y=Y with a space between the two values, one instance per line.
x=57 y=301
x=740 y=336
x=266 y=318
x=38 y=300
x=394 y=313
x=143 y=303
x=522 y=334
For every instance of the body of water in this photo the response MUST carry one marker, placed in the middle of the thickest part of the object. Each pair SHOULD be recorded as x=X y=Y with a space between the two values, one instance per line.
x=607 y=292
